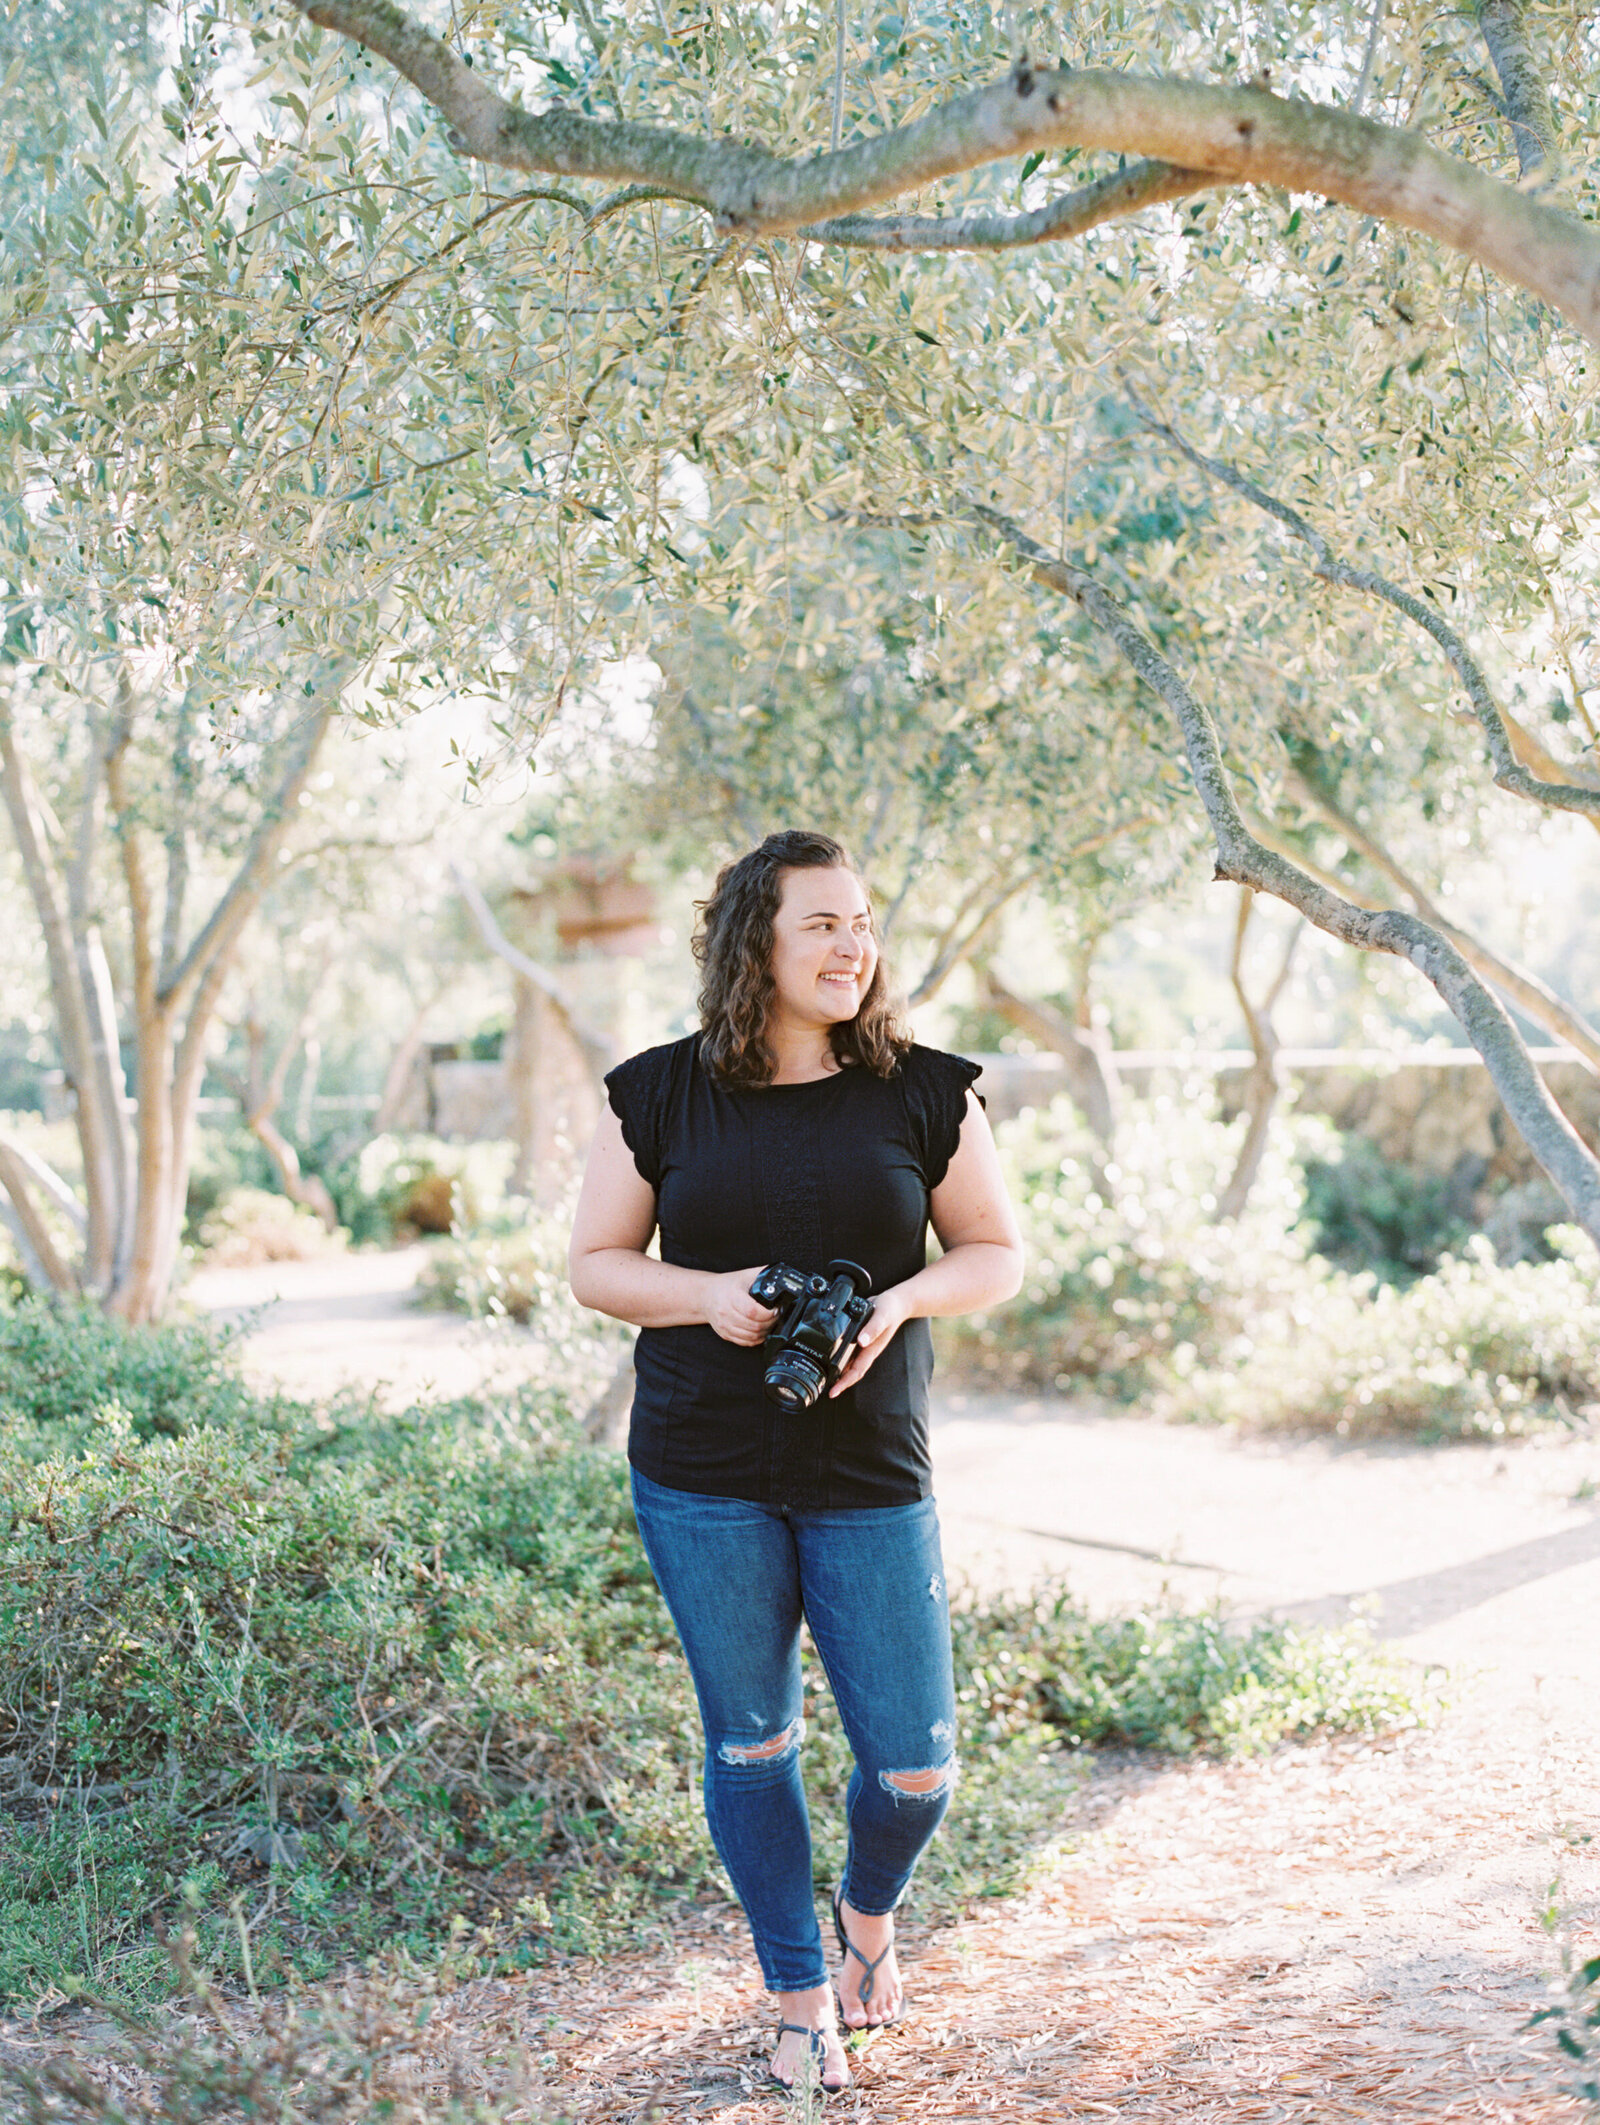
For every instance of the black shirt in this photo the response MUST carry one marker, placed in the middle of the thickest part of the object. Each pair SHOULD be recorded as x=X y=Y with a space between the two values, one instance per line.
x=746 y=1175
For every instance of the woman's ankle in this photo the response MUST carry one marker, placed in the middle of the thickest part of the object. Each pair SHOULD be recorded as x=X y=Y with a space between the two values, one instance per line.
x=813 y=2007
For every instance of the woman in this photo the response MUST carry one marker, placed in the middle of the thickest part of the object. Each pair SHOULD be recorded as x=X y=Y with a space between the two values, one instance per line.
x=798 y=1125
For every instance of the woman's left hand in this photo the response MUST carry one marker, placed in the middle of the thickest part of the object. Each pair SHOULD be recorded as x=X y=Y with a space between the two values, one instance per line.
x=889 y=1312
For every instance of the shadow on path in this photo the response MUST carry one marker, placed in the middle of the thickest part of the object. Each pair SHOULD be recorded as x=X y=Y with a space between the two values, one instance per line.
x=1408 y=1605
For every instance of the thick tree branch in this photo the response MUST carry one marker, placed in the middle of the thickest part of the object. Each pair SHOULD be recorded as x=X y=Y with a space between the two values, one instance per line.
x=45 y=1176
x=1525 y=99
x=594 y=1047
x=1144 y=184
x=1509 y=772
x=1551 y=1138
x=1234 y=135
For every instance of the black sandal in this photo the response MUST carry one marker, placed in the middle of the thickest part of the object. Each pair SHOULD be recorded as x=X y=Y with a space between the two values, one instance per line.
x=848 y=1947
x=817 y=2041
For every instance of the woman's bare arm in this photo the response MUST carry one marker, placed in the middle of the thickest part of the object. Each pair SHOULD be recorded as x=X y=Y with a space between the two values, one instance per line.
x=608 y=1268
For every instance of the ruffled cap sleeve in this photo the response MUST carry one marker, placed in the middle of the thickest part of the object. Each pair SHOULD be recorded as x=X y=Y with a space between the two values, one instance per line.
x=936 y=1106
x=636 y=1090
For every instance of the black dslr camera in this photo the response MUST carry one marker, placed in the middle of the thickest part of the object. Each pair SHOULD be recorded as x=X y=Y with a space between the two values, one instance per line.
x=820 y=1319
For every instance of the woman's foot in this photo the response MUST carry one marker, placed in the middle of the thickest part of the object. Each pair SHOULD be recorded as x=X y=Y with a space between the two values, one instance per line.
x=872 y=1938
x=811 y=2010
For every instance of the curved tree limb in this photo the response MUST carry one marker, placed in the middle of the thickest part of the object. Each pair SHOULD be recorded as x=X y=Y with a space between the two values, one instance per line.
x=1530 y=995
x=1571 y=1166
x=227 y=919
x=1235 y=135
x=981 y=907
x=1091 y=1072
x=1143 y=184
x=1509 y=772
x=34 y=1240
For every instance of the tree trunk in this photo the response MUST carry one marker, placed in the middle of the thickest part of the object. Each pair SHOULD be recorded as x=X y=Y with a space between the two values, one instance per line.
x=306 y=1189
x=524 y=1053
x=1264 y=1084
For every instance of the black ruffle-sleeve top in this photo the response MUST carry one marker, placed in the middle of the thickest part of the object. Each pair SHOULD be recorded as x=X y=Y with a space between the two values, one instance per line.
x=746 y=1175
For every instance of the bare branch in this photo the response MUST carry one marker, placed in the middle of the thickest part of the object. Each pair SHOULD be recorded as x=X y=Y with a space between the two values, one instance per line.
x=74 y=1007
x=1123 y=192
x=45 y=1176
x=1509 y=772
x=595 y=1048
x=1526 y=99
x=238 y=903
x=980 y=908
x=1530 y=995
x=1551 y=1138
x=1086 y=1055
x=1369 y=58
x=40 y=1245
x=402 y=1061
x=1242 y=135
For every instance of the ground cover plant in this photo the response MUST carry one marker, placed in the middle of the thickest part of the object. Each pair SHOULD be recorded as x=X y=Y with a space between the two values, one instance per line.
x=1136 y=1290
x=324 y=1684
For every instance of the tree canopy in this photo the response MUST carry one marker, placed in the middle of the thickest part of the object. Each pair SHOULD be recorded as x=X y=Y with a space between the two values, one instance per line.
x=995 y=454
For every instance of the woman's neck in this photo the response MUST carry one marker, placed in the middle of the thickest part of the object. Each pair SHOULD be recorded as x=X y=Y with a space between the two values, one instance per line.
x=801 y=1053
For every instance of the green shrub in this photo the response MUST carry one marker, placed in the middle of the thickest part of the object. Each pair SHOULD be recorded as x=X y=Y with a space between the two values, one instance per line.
x=411 y=1184
x=1364 y=1212
x=1474 y=1350
x=354 y=1680
x=224 y=1159
x=1127 y=1269
x=61 y=1365
x=251 y=1225
x=1133 y=1290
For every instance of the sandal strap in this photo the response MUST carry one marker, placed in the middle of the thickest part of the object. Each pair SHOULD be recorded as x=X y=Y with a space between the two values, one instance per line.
x=868 y=1963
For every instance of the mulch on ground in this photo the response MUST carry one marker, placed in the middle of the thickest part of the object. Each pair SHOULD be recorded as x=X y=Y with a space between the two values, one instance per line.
x=1337 y=1933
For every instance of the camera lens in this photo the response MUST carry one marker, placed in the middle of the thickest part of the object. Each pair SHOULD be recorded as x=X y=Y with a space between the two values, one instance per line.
x=793 y=1380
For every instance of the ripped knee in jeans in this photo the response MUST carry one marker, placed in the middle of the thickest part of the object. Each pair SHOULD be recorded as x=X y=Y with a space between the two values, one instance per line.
x=932 y=1784
x=745 y=1753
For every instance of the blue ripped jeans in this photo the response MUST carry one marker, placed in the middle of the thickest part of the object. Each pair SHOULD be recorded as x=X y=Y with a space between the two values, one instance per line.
x=738 y=1579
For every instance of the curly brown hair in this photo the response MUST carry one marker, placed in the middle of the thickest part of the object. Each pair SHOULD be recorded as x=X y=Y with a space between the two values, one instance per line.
x=733 y=946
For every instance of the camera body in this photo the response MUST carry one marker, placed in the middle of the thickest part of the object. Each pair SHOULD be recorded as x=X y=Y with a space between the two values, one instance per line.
x=820 y=1319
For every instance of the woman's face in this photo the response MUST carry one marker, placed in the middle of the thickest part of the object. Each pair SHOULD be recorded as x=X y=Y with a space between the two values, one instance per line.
x=823 y=950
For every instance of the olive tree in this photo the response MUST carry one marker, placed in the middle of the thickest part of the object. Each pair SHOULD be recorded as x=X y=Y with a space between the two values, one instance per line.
x=1369 y=267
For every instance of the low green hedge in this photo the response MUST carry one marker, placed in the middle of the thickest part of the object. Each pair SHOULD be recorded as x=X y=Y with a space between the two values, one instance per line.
x=329 y=1685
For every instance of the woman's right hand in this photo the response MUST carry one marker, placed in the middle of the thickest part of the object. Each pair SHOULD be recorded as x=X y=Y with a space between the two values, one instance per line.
x=732 y=1312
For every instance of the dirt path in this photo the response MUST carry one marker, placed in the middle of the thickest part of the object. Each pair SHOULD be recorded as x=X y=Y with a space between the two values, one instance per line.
x=1339 y=1933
